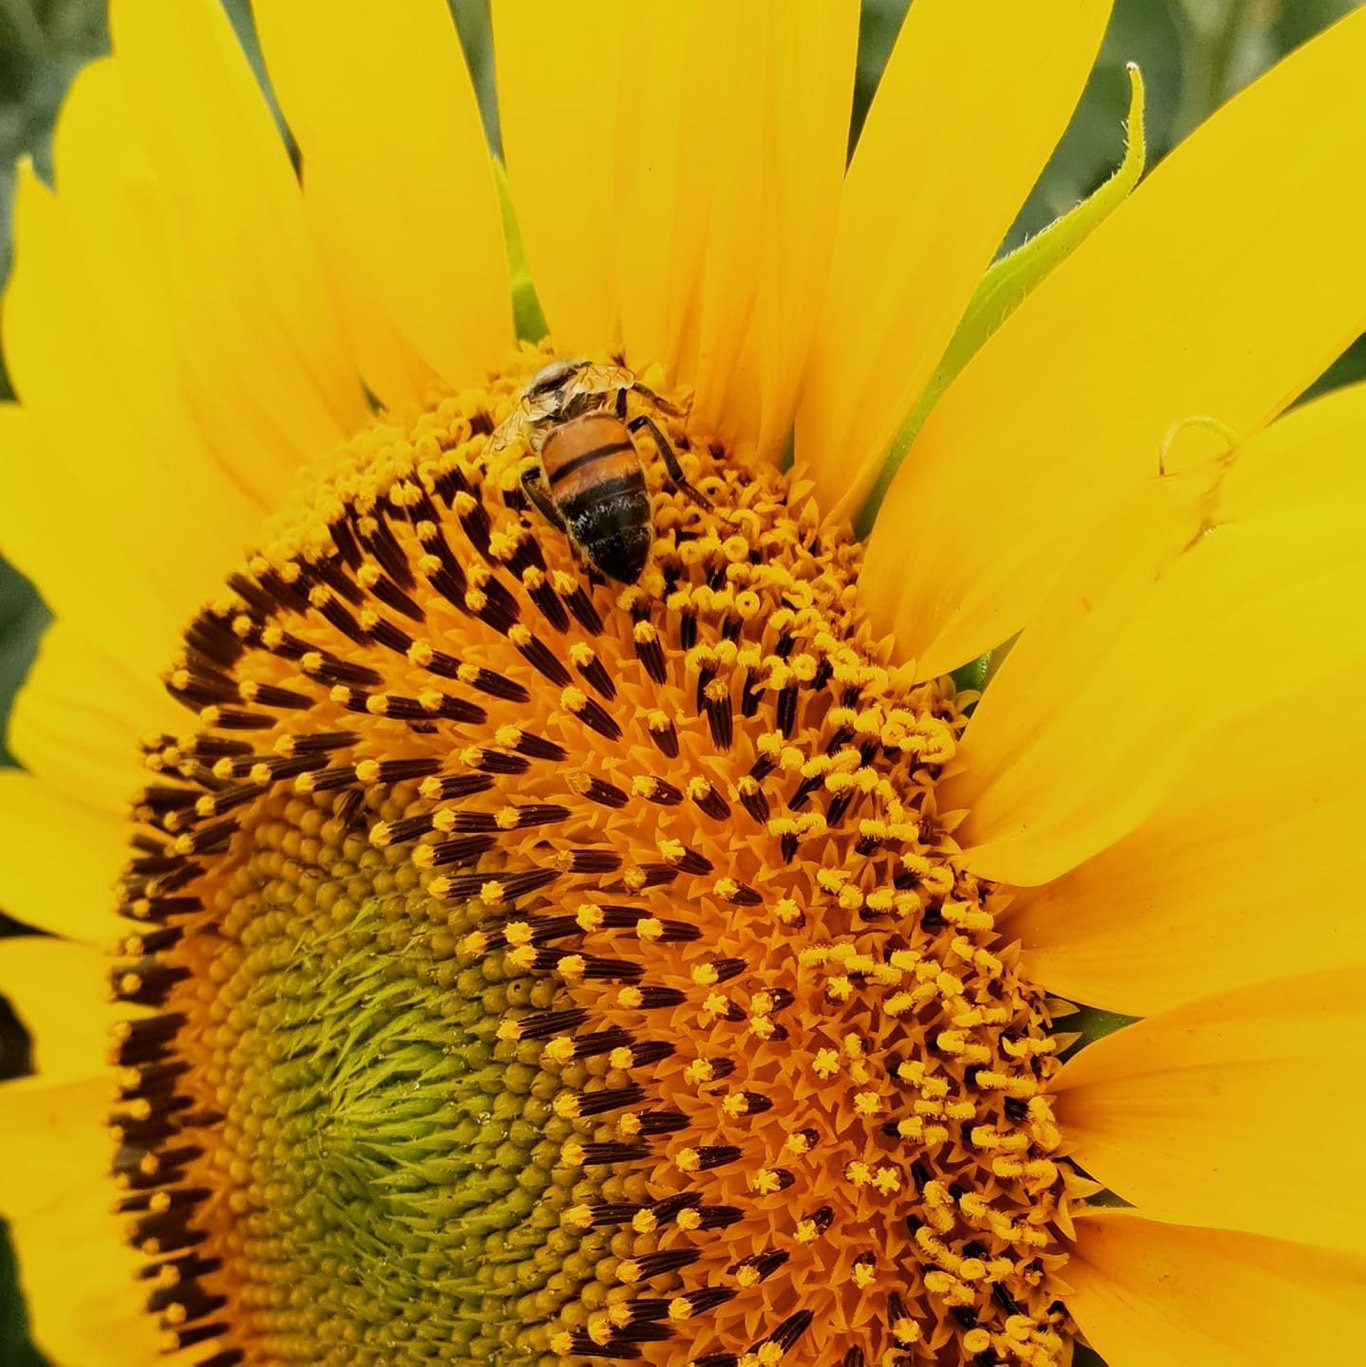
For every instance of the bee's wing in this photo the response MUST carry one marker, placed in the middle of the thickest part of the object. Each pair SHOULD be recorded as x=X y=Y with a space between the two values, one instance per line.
x=511 y=429
x=600 y=379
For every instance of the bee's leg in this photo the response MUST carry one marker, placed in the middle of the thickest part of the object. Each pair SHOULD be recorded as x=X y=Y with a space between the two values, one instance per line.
x=533 y=485
x=670 y=459
x=621 y=405
x=664 y=406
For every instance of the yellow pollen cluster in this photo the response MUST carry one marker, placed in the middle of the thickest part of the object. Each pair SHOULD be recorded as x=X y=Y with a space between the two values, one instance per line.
x=540 y=967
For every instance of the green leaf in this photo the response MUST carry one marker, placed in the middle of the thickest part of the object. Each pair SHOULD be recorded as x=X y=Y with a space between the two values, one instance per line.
x=526 y=308
x=1006 y=285
x=15 y=1348
x=23 y=619
x=1092 y=1024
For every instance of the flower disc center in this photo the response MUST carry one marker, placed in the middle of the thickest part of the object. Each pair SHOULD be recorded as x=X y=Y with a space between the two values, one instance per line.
x=542 y=966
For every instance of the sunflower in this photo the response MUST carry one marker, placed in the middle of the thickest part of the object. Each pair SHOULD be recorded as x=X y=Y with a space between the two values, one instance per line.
x=528 y=949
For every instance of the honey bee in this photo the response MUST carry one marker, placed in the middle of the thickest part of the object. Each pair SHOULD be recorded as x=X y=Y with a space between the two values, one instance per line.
x=587 y=478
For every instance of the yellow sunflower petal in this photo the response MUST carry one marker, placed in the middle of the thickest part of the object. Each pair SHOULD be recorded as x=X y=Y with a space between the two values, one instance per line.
x=396 y=168
x=973 y=100
x=1191 y=1114
x=559 y=87
x=78 y=720
x=75 y=1270
x=58 y=860
x=1262 y=832
x=59 y=553
x=786 y=81
x=115 y=467
x=1158 y=636
x=1147 y=1293
x=265 y=362
x=60 y=992
x=696 y=231
x=1247 y=230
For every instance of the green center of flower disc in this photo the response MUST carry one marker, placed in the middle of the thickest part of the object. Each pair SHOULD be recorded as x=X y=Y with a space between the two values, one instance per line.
x=532 y=966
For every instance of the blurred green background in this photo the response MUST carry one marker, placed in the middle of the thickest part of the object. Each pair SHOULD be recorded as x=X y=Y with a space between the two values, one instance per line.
x=1194 y=54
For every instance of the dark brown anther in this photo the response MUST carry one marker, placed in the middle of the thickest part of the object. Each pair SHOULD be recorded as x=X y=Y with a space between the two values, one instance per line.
x=579 y=603
x=598 y=678
x=498 y=762
x=549 y=604
x=719 y=1217
x=497 y=686
x=229 y=1357
x=712 y=804
x=379 y=537
x=651 y=655
x=593 y=714
x=543 y=1024
x=598 y=790
x=667 y=1260
x=665 y=739
x=653 y=998
x=791 y=1329
x=593 y=861
x=238 y=719
x=452 y=787
x=744 y=896
x=716 y=1155
x=331 y=670
x=662 y=1122
x=537 y=747
x=391 y=636
x=663 y=793
x=340 y=616
x=150 y=941
x=466 y=885
x=213 y=639
x=176 y=1338
x=765 y=1264
x=720 y=720
x=392 y=596
x=591 y=966
x=462 y=851
x=327 y=780
x=694 y=863
x=594 y=1154
x=609 y=1099
x=332 y=572
x=543 y=659
x=147 y=983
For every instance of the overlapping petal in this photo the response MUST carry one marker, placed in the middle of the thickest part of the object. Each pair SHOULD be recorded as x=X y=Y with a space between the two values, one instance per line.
x=967 y=112
x=1146 y=1293
x=1205 y=597
x=262 y=356
x=649 y=228
x=399 y=184
x=1260 y=834
x=60 y=859
x=74 y=1268
x=1245 y=231
x=79 y=719
x=1218 y=1113
x=60 y=991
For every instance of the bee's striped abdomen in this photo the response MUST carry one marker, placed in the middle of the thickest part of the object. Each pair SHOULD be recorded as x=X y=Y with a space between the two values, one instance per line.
x=595 y=479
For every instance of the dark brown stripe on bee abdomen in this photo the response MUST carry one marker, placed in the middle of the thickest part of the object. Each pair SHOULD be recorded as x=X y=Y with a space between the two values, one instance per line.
x=589 y=458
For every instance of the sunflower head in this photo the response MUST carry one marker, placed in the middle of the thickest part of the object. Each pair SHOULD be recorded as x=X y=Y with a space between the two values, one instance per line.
x=567 y=910
x=544 y=965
